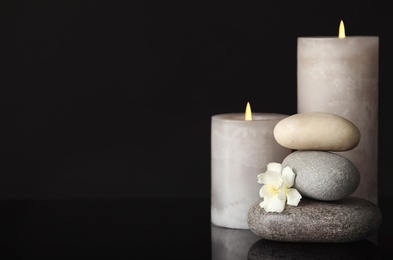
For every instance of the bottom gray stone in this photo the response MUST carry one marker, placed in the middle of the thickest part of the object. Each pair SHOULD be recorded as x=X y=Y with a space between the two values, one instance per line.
x=346 y=220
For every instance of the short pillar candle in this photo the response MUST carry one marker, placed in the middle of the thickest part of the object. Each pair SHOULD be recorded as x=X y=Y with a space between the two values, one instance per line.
x=240 y=150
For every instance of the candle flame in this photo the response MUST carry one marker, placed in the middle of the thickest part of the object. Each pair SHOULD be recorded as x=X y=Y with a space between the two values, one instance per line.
x=248 y=114
x=341 y=30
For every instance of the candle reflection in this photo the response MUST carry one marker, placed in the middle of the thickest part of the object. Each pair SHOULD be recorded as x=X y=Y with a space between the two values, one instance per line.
x=228 y=244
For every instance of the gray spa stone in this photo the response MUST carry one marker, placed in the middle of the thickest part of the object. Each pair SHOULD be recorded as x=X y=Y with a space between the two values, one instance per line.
x=347 y=220
x=323 y=175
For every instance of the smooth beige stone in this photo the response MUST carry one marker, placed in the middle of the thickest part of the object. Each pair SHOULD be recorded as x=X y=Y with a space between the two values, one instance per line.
x=317 y=131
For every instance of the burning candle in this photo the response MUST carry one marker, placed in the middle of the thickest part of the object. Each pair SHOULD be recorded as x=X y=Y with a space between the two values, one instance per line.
x=340 y=75
x=242 y=144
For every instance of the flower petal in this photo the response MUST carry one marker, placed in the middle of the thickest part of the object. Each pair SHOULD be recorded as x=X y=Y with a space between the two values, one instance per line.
x=274 y=167
x=293 y=197
x=289 y=176
x=270 y=177
x=281 y=193
x=268 y=196
x=265 y=191
x=274 y=204
x=260 y=178
x=263 y=203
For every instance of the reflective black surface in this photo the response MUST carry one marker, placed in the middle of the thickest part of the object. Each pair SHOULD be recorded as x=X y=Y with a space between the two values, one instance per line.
x=155 y=229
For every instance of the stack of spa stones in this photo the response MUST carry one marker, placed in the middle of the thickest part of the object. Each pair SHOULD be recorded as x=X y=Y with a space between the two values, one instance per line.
x=325 y=179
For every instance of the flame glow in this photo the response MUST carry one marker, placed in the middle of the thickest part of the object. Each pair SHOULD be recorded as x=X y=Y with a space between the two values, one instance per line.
x=341 y=30
x=248 y=114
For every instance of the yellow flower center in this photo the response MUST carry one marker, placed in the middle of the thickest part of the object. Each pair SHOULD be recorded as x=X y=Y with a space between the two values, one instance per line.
x=274 y=190
x=277 y=189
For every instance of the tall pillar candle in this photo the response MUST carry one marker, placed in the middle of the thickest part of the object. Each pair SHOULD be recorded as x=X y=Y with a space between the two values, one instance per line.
x=240 y=150
x=340 y=76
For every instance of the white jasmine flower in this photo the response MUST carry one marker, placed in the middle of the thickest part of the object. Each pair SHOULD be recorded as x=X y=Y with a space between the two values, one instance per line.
x=276 y=189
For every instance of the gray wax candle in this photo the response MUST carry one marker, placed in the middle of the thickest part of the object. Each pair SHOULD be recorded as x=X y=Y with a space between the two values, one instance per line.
x=240 y=150
x=340 y=75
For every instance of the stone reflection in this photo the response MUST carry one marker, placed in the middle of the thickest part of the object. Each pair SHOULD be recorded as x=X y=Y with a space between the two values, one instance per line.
x=231 y=244
x=266 y=249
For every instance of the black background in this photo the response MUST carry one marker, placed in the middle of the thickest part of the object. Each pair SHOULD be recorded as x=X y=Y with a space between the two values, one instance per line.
x=113 y=99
